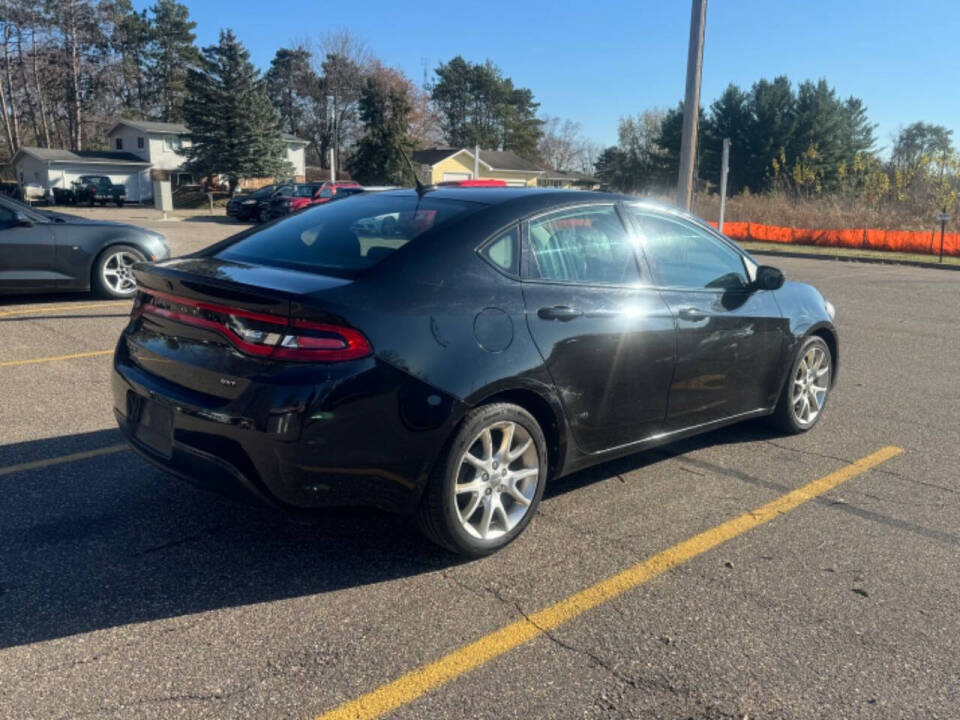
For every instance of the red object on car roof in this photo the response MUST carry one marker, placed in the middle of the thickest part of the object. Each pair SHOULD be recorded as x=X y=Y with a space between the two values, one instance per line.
x=481 y=182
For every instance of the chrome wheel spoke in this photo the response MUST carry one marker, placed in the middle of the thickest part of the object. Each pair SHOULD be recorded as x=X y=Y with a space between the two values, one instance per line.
x=484 y=528
x=486 y=440
x=517 y=496
x=476 y=486
x=525 y=473
x=498 y=509
x=506 y=441
x=471 y=507
x=518 y=452
x=476 y=462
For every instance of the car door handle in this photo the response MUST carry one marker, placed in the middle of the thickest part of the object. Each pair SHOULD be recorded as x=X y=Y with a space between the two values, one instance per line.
x=558 y=312
x=691 y=313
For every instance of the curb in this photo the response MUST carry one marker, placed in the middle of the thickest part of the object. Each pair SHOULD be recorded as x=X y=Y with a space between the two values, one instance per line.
x=847 y=258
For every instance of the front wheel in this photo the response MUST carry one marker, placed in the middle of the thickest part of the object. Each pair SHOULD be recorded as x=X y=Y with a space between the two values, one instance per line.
x=113 y=272
x=486 y=489
x=805 y=392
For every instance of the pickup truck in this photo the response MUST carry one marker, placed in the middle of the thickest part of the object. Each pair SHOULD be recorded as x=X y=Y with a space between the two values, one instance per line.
x=93 y=189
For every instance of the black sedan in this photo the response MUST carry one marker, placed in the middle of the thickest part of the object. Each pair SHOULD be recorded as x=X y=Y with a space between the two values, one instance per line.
x=248 y=206
x=43 y=251
x=495 y=339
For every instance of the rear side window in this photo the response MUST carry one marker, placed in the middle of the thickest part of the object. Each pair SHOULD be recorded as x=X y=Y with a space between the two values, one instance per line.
x=584 y=245
x=345 y=238
x=683 y=255
x=502 y=250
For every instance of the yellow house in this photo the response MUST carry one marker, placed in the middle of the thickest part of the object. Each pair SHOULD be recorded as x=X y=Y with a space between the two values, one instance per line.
x=438 y=165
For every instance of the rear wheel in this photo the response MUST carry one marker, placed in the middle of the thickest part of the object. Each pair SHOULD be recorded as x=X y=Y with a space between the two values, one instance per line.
x=113 y=272
x=486 y=489
x=805 y=392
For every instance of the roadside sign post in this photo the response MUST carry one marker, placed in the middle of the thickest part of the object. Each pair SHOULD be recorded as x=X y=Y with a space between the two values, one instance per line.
x=724 y=169
x=944 y=218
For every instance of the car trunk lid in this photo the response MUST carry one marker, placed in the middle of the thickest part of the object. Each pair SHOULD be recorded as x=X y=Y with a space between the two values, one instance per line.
x=209 y=324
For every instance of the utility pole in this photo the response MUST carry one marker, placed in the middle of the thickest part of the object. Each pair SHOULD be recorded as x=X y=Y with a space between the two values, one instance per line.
x=691 y=104
x=724 y=169
x=333 y=139
x=476 y=161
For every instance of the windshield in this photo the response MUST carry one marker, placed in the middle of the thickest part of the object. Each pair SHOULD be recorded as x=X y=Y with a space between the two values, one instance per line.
x=345 y=238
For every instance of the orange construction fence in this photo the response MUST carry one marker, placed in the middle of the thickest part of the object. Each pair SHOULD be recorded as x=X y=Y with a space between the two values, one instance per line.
x=925 y=241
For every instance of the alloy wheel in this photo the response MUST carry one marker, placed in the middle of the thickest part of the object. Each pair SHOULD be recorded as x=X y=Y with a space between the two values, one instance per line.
x=496 y=480
x=118 y=272
x=811 y=382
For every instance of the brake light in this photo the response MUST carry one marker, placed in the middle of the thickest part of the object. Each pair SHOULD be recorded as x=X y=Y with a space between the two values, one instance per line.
x=259 y=334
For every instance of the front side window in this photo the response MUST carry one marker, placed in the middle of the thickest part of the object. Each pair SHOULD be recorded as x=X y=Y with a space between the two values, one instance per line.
x=583 y=245
x=683 y=255
x=345 y=238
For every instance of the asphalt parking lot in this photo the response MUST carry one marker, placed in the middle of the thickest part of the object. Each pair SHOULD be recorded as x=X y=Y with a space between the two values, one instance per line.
x=126 y=593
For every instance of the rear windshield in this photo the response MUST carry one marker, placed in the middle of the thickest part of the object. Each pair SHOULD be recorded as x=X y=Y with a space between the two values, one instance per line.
x=345 y=238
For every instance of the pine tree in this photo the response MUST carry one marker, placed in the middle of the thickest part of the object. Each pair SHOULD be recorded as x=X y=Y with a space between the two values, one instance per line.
x=290 y=84
x=170 y=56
x=235 y=130
x=385 y=113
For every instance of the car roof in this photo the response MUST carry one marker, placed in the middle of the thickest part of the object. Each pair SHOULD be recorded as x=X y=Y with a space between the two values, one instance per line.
x=522 y=197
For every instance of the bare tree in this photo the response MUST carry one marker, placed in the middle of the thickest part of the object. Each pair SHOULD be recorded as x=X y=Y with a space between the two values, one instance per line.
x=563 y=146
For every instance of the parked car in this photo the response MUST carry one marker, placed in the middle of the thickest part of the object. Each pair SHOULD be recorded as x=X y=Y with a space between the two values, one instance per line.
x=501 y=339
x=246 y=207
x=330 y=190
x=92 y=189
x=296 y=198
x=44 y=251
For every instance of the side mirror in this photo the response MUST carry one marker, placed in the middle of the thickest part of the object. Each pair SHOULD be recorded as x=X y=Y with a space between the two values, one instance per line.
x=769 y=278
x=23 y=220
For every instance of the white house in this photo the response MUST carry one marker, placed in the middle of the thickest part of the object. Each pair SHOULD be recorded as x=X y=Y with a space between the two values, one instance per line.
x=136 y=148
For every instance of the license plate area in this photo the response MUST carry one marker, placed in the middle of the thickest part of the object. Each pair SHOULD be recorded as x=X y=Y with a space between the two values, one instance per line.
x=152 y=423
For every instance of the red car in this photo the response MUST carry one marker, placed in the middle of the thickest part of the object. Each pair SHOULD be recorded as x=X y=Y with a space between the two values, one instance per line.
x=302 y=195
x=328 y=191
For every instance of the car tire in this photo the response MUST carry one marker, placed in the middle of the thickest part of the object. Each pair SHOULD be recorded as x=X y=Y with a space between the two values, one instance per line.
x=806 y=389
x=475 y=506
x=115 y=262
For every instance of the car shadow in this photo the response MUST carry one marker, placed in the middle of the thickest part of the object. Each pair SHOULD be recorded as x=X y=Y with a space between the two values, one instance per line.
x=218 y=220
x=102 y=539
x=48 y=298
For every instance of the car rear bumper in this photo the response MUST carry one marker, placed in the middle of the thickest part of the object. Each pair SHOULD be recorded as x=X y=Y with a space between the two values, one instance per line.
x=369 y=438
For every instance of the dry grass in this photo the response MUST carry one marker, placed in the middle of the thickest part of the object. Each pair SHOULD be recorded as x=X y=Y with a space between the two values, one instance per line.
x=824 y=212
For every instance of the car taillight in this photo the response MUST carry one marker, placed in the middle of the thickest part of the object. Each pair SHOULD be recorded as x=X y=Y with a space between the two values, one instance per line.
x=259 y=334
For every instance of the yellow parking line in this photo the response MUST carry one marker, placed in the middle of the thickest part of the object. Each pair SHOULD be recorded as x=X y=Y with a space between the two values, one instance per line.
x=431 y=676
x=52 y=358
x=62 y=308
x=36 y=464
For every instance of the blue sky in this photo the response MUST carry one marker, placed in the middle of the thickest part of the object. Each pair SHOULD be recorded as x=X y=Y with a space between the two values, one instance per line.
x=594 y=60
